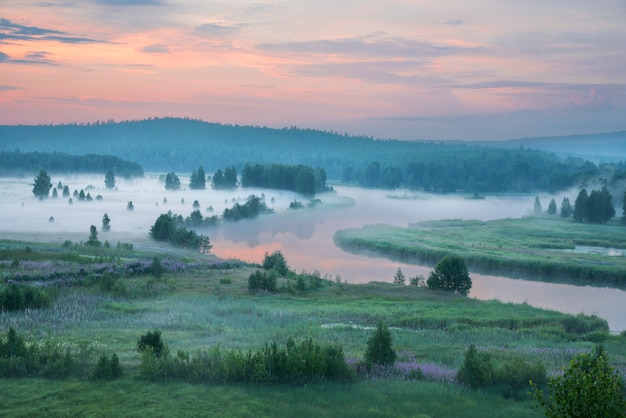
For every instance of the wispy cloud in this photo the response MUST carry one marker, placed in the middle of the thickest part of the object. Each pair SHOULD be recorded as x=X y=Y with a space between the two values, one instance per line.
x=10 y=30
x=9 y=88
x=31 y=58
x=370 y=46
x=131 y=2
x=218 y=30
x=155 y=49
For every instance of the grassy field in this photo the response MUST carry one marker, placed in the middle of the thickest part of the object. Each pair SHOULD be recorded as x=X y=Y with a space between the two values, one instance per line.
x=201 y=303
x=548 y=248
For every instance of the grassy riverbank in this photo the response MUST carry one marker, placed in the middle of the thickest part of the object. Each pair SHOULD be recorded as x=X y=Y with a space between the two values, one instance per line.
x=199 y=304
x=548 y=248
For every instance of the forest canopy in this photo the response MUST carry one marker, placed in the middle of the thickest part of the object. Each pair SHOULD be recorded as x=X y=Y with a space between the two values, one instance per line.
x=16 y=162
x=174 y=144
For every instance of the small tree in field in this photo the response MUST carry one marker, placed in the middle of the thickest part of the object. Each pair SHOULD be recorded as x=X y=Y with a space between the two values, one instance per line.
x=589 y=387
x=42 y=185
x=537 y=206
x=398 y=278
x=380 y=347
x=566 y=208
x=93 y=236
x=552 y=207
x=276 y=261
x=106 y=223
x=450 y=274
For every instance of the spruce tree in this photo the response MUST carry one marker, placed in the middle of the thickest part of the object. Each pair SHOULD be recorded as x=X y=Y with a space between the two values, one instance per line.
x=42 y=185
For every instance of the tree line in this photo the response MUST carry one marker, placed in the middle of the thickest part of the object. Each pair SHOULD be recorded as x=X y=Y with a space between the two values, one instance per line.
x=419 y=165
x=298 y=178
x=12 y=162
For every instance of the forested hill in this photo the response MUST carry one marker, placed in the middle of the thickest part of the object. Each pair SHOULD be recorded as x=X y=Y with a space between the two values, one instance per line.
x=609 y=146
x=182 y=145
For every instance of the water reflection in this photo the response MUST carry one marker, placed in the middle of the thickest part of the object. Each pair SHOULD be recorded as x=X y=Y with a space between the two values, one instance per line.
x=315 y=249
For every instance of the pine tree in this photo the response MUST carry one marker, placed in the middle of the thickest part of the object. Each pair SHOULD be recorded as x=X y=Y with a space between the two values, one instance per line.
x=42 y=185
x=552 y=207
x=380 y=347
x=109 y=180
x=566 y=208
x=537 y=207
x=106 y=223
x=398 y=278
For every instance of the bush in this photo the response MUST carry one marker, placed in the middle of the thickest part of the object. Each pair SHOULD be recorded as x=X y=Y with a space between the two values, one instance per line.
x=589 y=387
x=276 y=261
x=17 y=297
x=262 y=282
x=151 y=342
x=380 y=347
x=108 y=369
x=272 y=364
x=477 y=369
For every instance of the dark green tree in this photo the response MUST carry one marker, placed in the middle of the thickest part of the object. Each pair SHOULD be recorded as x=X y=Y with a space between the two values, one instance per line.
x=156 y=268
x=66 y=191
x=106 y=223
x=172 y=182
x=537 y=206
x=398 y=278
x=130 y=207
x=580 y=206
x=624 y=208
x=42 y=185
x=197 y=180
x=152 y=342
x=55 y=194
x=276 y=261
x=93 y=236
x=379 y=348
x=589 y=387
x=552 y=207
x=450 y=274
x=566 y=208
x=477 y=369
x=109 y=180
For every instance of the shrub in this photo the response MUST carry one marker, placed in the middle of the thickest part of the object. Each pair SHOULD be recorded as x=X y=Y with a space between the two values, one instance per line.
x=262 y=282
x=108 y=369
x=477 y=369
x=276 y=261
x=380 y=347
x=589 y=387
x=151 y=342
x=17 y=297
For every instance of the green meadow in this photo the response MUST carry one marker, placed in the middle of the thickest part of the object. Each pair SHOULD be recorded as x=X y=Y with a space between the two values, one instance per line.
x=200 y=304
x=543 y=247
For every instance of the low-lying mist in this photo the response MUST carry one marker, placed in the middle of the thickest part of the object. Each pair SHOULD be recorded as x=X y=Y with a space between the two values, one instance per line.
x=304 y=236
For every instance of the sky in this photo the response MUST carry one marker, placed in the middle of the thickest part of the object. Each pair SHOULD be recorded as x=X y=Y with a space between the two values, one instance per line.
x=404 y=69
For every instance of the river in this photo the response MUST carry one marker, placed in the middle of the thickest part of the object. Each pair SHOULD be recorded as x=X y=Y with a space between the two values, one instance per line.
x=305 y=236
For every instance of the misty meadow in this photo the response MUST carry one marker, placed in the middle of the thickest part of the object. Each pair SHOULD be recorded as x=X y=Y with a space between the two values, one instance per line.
x=286 y=272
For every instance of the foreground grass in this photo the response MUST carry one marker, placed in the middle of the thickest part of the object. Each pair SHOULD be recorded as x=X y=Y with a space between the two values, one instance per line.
x=131 y=398
x=529 y=247
x=201 y=308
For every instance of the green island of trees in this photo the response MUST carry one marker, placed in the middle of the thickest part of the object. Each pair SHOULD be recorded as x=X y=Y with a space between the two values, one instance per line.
x=300 y=179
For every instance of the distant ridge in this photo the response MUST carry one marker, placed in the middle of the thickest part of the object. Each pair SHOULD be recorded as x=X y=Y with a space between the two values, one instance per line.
x=609 y=146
